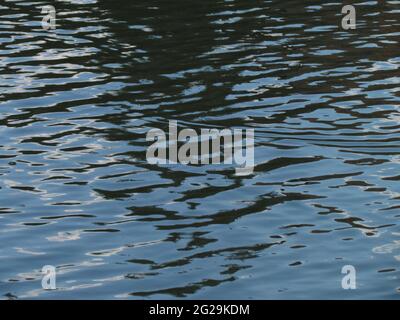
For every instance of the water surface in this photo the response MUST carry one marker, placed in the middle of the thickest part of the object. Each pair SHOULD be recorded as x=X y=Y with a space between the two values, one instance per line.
x=76 y=189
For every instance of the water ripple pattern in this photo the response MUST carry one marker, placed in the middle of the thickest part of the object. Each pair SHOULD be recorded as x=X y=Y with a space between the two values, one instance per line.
x=76 y=189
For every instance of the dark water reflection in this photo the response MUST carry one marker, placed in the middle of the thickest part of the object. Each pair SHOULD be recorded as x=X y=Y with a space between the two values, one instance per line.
x=77 y=192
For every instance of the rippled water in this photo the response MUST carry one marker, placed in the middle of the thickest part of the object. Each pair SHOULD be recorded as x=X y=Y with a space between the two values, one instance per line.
x=76 y=189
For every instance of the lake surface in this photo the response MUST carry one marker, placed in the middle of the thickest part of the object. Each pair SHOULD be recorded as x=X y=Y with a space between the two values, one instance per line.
x=77 y=192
